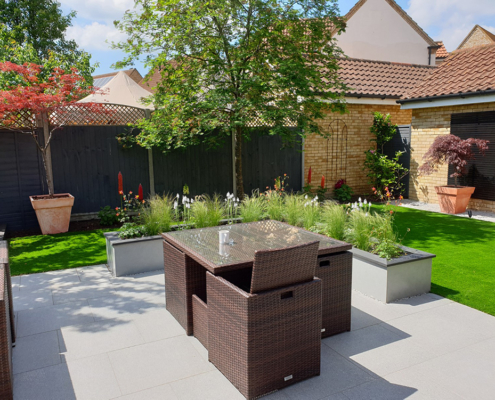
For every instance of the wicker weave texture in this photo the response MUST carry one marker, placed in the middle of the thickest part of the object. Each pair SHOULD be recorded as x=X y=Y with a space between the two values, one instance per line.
x=200 y=320
x=7 y=333
x=335 y=271
x=284 y=267
x=266 y=341
x=183 y=278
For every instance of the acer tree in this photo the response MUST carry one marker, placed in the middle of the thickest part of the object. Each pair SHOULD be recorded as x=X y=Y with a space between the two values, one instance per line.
x=30 y=98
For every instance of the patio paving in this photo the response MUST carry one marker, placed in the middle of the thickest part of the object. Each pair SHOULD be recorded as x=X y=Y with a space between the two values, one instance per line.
x=83 y=334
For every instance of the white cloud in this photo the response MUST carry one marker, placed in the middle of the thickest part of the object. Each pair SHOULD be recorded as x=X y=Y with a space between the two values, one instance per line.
x=95 y=36
x=452 y=19
x=99 y=10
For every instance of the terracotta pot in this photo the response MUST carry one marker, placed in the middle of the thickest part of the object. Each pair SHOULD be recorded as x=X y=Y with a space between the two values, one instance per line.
x=53 y=213
x=454 y=200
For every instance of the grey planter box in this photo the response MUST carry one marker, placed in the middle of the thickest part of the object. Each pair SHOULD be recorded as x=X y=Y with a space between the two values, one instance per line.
x=133 y=256
x=387 y=281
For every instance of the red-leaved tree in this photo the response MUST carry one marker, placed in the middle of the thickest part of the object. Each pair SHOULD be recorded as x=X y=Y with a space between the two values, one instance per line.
x=29 y=100
x=452 y=150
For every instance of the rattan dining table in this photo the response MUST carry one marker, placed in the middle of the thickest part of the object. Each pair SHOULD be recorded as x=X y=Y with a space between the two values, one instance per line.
x=188 y=254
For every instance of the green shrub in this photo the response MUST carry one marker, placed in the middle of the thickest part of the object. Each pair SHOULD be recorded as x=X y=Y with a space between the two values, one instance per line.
x=207 y=211
x=334 y=219
x=359 y=230
x=108 y=216
x=131 y=230
x=157 y=217
x=294 y=209
x=311 y=212
x=253 y=208
x=275 y=205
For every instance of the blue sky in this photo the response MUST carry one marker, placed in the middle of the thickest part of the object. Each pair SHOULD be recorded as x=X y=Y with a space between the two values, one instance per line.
x=447 y=20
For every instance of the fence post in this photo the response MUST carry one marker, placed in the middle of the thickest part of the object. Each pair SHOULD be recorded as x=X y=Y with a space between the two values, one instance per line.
x=234 y=180
x=150 y=160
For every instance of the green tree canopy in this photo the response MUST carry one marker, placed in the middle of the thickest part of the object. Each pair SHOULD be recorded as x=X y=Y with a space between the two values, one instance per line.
x=33 y=31
x=226 y=62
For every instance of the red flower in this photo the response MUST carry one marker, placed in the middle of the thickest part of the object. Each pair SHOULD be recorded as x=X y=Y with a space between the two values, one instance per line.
x=117 y=214
x=339 y=183
x=374 y=189
x=121 y=183
x=140 y=192
x=391 y=212
x=116 y=209
x=309 y=176
x=322 y=182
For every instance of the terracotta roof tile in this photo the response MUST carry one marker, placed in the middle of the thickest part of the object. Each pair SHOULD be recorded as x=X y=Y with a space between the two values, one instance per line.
x=133 y=73
x=464 y=71
x=380 y=78
x=442 y=51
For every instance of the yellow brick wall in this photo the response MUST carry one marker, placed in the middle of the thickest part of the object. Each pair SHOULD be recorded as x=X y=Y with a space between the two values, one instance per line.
x=478 y=38
x=427 y=124
x=328 y=158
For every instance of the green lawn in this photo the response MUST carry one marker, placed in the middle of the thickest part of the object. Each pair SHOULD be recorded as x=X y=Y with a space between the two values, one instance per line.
x=32 y=254
x=464 y=269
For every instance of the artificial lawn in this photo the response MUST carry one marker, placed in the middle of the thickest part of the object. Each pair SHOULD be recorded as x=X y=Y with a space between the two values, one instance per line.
x=32 y=254
x=464 y=269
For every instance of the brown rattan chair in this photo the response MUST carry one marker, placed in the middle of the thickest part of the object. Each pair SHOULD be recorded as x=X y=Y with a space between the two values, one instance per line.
x=7 y=331
x=264 y=335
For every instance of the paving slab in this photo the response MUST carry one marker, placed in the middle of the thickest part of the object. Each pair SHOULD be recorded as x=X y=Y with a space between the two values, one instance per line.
x=36 y=351
x=82 y=291
x=94 y=273
x=50 y=318
x=49 y=280
x=209 y=386
x=26 y=299
x=153 y=364
x=162 y=392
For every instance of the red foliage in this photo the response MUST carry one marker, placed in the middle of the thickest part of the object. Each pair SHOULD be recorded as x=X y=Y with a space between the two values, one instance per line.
x=322 y=182
x=140 y=192
x=121 y=183
x=452 y=150
x=309 y=176
x=37 y=97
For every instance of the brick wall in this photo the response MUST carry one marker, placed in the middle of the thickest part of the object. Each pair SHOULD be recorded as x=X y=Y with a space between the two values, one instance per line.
x=328 y=156
x=427 y=124
x=478 y=38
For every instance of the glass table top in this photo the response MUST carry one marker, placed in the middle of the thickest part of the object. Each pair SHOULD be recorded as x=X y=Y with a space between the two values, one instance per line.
x=245 y=239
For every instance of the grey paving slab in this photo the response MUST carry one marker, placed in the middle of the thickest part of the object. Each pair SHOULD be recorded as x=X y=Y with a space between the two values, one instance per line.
x=445 y=329
x=209 y=386
x=16 y=282
x=378 y=350
x=82 y=291
x=158 y=325
x=50 y=383
x=162 y=392
x=26 y=299
x=337 y=374
x=35 y=351
x=94 y=273
x=99 y=337
x=153 y=364
x=49 y=280
x=50 y=318
x=360 y=319
x=337 y=396
x=93 y=378
x=120 y=307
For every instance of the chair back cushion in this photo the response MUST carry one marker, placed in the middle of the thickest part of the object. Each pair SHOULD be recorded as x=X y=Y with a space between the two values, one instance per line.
x=283 y=267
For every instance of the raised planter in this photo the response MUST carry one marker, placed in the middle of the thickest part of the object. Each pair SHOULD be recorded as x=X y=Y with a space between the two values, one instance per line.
x=387 y=281
x=53 y=213
x=452 y=199
x=133 y=256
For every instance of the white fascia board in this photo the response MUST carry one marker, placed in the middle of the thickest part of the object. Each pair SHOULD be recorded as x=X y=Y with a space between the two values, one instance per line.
x=456 y=101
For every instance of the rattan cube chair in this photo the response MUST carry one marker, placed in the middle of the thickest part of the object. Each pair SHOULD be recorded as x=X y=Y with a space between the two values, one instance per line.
x=265 y=334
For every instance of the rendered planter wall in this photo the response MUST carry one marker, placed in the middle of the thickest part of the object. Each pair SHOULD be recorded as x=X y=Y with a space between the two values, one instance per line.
x=133 y=256
x=387 y=281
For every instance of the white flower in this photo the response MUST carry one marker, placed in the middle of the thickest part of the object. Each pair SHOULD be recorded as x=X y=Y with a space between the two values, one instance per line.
x=175 y=205
x=238 y=199
x=192 y=201
x=366 y=214
x=365 y=201
x=235 y=205
x=306 y=197
x=178 y=195
x=369 y=204
x=360 y=199
x=188 y=205
x=228 y=195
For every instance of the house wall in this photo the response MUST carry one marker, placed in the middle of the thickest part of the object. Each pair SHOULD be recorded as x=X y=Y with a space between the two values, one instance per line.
x=328 y=158
x=478 y=38
x=377 y=32
x=427 y=124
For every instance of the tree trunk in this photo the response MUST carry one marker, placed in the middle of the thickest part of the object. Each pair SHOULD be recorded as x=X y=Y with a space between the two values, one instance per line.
x=48 y=176
x=238 y=163
x=47 y=154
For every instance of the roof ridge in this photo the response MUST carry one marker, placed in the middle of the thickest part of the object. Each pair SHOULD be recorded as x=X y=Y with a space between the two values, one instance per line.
x=389 y=62
x=491 y=35
x=474 y=48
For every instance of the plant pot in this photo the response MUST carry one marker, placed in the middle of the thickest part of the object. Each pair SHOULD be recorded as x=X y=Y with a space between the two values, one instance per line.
x=53 y=213
x=133 y=256
x=454 y=200
x=390 y=280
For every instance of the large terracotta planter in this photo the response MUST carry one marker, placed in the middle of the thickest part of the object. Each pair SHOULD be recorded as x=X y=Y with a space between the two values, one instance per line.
x=454 y=200
x=53 y=213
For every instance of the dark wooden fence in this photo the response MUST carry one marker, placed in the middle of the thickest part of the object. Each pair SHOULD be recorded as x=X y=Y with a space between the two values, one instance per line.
x=401 y=142
x=87 y=159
